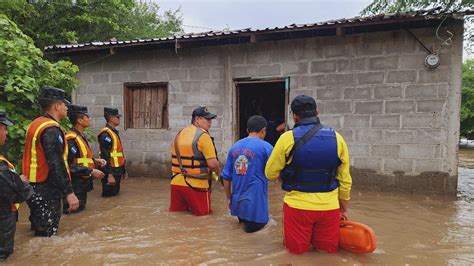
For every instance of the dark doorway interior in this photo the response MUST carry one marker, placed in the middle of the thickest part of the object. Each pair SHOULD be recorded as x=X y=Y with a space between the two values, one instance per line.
x=265 y=98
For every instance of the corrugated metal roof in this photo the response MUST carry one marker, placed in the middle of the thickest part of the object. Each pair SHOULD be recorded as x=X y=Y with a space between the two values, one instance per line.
x=434 y=13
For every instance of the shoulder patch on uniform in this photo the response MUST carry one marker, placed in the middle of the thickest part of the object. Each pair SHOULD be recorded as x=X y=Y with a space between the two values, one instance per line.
x=73 y=150
x=108 y=139
x=60 y=138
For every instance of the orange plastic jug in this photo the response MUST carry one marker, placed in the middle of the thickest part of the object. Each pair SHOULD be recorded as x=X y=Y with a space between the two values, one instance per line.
x=356 y=237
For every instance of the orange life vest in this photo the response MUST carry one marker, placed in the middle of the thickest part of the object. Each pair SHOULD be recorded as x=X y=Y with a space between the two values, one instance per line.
x=14 y=206
x=34 y=164
x=193 y=161
x=117 y=157
x=85 y=153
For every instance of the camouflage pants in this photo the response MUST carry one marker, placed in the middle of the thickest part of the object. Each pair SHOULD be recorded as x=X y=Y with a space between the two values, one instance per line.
x=7 y=234
x=108 y=190
x=44 y=215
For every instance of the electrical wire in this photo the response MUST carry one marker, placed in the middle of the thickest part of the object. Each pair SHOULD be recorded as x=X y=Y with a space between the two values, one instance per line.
x=199 y=27
x=445 y=42
x=95 y=60
x=418 y=40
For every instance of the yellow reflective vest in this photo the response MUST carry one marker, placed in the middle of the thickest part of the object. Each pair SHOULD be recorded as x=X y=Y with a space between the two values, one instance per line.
x=117 y=157
x=85 y=153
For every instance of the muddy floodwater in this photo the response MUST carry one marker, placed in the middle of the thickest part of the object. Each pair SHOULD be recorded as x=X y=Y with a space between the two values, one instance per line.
x=136 y=228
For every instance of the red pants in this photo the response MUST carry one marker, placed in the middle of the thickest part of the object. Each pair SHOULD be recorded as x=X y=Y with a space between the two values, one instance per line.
x=188 y=199
x=301 y=228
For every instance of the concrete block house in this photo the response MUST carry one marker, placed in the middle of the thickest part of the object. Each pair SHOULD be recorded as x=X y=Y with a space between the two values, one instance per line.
x=397 y=109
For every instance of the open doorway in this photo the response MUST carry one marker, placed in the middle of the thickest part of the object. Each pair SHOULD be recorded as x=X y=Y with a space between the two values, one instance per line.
x=268 y=98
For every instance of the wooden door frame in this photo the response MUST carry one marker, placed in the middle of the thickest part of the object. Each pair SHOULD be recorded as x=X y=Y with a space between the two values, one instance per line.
x=238 y=81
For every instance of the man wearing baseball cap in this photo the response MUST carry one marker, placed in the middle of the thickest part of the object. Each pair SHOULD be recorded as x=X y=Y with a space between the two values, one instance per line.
x=45 y=164
x=14 y=189
x=313 y=163
x=81 y=162
x=193 y=160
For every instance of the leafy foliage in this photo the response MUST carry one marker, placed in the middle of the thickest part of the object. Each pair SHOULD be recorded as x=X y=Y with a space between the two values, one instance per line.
x=77 y=21
x=23 y=71
x=396 y=6
x=467 y=103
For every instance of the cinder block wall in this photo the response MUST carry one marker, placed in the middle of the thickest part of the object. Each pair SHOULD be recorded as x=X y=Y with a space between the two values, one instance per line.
x=400 y=120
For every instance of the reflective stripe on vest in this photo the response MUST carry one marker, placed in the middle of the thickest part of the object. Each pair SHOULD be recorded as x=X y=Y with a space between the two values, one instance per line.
x=314 y=166
x=34 y=164
x=116 y=154
x=14 y=206
x=193 y=160
x=85 y=153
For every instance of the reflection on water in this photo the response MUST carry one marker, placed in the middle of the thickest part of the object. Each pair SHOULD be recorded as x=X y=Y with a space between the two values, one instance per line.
x=136 y=228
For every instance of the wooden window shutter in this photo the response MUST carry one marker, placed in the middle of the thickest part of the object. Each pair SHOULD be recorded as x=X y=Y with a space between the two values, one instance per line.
x=146 y=105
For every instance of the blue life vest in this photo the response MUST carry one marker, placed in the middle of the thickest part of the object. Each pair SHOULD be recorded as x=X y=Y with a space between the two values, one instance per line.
x=314 y=165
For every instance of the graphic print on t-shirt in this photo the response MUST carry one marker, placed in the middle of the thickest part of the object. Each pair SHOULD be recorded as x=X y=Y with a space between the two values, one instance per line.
x=241 y=165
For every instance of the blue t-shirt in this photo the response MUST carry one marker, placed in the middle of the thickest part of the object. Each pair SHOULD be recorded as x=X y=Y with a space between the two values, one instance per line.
x=245 y=168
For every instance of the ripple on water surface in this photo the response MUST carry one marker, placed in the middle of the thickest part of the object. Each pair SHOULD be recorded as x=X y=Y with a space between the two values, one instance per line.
x=136 y=228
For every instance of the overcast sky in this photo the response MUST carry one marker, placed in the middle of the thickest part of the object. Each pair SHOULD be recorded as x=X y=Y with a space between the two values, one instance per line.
x=259 y=14
x=206 y=15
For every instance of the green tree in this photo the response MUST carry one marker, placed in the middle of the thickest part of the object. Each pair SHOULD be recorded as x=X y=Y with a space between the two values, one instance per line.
x=467 y=102
x=78 y=21
x=23 y=71
x=397 y=6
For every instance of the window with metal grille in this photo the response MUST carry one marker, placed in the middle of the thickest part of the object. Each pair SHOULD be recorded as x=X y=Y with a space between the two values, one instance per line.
x=146 y=105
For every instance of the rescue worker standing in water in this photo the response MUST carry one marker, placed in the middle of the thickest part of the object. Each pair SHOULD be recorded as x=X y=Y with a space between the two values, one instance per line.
x=313 y=164
x=45 y=164
x=193 y=160
x=14 y=189
x=80 y=160
x=111 y=151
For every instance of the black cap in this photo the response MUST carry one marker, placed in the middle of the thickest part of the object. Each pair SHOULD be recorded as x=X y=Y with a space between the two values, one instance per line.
x=48 y=93
x=4 y=119
x=303 y=105
x=203 y=112
x=111 y=112
x=75 y=109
